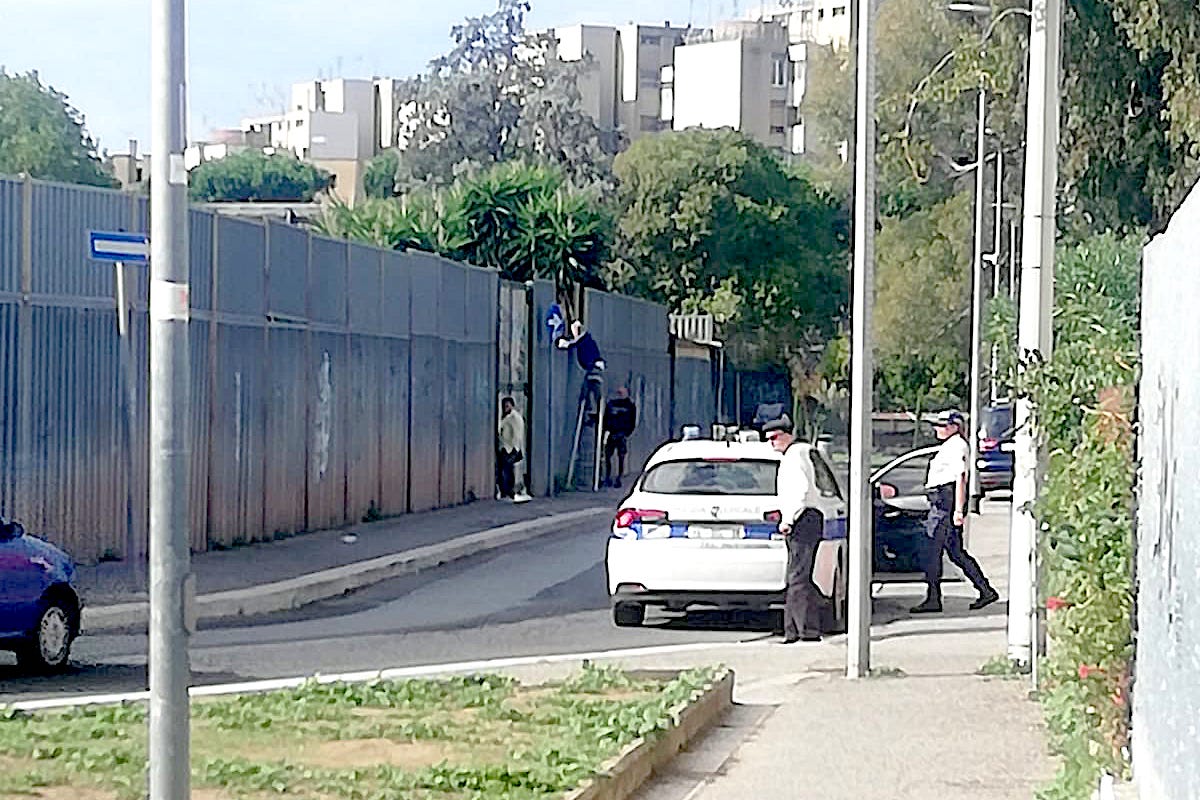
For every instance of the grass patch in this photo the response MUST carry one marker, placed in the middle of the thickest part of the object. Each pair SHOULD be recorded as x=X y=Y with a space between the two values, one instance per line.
x=887 y=672
x=481 y=737
x=1002 y=667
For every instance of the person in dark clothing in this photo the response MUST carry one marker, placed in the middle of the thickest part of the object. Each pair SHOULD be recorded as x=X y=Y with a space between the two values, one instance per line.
x=802 y=529
x=587 y=353
x=946 y=487
x=620 y=420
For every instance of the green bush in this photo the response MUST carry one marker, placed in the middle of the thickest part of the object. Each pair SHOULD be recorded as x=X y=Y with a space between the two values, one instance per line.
x=1083 y=399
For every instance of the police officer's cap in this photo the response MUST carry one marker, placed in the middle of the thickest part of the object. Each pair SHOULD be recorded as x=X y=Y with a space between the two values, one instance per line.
x=949 y=418
x=783 y=423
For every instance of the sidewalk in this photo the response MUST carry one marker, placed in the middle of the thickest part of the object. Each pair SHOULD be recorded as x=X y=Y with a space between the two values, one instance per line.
x=927 y=726
x=272 y=576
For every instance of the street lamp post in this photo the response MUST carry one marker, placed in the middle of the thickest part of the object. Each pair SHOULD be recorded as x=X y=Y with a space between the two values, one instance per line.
x=171 y=582
x=977 y=297
x=1037 y=294
x=858 y=649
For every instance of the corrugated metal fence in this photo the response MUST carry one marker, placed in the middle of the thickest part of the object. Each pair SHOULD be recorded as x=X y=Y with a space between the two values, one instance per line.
x=320 y=371
x=1166 y=694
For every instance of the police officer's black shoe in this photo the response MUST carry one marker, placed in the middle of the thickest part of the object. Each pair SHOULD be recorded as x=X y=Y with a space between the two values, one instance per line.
x=986 y=598
x=930 y=606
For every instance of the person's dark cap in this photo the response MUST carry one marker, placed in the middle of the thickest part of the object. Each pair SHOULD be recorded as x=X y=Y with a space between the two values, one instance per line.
x=949 y=418
x=782 y=423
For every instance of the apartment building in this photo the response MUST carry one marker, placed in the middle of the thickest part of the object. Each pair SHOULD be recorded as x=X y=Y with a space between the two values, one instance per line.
x=620 y=87
x=739 y=75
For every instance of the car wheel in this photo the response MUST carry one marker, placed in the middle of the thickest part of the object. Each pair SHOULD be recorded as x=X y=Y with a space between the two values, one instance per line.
x=838 y=603
x=628 y=615
x=49 y=646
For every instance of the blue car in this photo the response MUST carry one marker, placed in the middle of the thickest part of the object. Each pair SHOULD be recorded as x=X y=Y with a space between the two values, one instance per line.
x=995 y=463
x=39 y=606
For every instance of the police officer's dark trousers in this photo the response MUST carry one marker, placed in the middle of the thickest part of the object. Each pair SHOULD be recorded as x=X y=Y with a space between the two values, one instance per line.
x=944 y=535
x=802 y=604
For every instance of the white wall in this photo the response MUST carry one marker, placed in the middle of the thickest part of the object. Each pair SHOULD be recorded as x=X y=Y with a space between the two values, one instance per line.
x=1166 y=691
x=708 y=85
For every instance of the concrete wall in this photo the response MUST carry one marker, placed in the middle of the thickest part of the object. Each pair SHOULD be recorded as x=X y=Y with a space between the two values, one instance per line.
x=1166 y=693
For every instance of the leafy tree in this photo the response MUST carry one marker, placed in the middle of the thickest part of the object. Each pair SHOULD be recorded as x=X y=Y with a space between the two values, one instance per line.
x=525 y=221
x=1131 y=129
x=379 y=179
x=500 y=94
x=922 y=307
x=252 y=176
x=710 y=221
x=43 y=136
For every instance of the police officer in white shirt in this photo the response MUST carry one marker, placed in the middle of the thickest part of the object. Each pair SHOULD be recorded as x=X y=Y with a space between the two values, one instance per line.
x=946 y=486
x=802 y=526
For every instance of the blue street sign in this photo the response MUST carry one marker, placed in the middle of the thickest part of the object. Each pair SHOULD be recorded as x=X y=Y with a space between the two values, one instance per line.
x=555 y=322
x=132 y=248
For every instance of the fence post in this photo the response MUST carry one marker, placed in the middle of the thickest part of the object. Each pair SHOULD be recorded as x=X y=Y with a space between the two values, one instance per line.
x=23 y=505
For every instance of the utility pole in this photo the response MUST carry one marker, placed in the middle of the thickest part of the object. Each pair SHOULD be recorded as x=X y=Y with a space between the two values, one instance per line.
x=1034 y=334
x=862 y=367
x=997 y=243
x=977 y=298
x=171 y=582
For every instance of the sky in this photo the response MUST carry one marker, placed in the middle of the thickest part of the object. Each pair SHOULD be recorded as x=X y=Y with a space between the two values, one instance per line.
x=244 y=55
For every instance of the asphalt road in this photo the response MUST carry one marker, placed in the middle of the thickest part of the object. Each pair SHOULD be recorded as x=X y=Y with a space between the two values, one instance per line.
x=544 y=597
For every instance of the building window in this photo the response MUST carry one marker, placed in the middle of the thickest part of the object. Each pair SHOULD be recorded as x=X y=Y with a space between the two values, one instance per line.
x=650 y=39
x=779 y=71
x=777 y=129
x=839 y=11
x=820 y=13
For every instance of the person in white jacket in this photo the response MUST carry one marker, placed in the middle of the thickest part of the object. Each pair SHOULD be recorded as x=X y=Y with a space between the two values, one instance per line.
x=511 y=453
x=802 y=526
x=946 y=487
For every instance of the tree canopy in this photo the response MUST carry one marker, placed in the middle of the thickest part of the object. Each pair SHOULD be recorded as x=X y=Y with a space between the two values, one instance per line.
x=526 y=221
x=712 y=222
x=499 y=94
x=43 y=136
x=251 y=176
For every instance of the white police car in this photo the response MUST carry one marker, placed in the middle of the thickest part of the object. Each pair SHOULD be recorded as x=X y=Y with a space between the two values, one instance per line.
x=701 y=529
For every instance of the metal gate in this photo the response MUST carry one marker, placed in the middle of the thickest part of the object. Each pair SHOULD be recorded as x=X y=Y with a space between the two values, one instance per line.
x=513 y=346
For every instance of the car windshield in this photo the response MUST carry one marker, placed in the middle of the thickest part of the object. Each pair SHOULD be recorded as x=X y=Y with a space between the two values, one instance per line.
x=996 y=422
x=699 y=476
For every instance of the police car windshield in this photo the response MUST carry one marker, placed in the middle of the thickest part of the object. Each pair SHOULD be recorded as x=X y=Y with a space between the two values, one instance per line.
x=712 y=477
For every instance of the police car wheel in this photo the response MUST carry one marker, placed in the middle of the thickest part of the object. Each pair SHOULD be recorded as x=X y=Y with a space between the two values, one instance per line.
x=628 y=615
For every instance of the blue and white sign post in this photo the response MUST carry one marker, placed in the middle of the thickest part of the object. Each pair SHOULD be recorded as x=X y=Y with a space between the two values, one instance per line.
x=120 y=248
x=556 y=323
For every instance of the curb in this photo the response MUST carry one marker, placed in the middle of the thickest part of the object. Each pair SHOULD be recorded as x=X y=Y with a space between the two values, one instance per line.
x=296 y=592
x=622 y=776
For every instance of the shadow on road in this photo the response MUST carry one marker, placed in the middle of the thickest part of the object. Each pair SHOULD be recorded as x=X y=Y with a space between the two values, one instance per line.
x=15 y=684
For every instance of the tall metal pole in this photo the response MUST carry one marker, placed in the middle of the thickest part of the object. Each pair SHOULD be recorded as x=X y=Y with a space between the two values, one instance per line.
x=171 y=584
x=862 y=368
x=997 y=242
x=1037 y=300
x=1013 y=242
x=977 y=296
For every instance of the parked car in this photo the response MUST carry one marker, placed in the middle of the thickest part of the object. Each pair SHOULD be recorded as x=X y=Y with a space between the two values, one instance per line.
x=995 y=463
x=901 y=506
x=701 y=529
x=39 y=605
